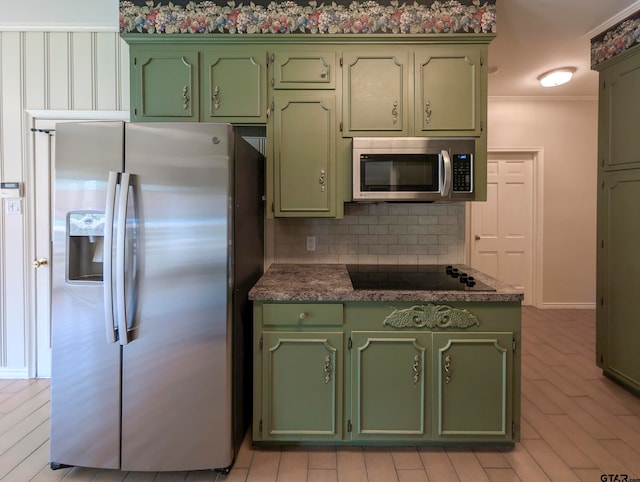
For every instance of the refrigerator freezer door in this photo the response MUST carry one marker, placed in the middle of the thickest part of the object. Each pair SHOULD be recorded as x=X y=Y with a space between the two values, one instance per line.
x=176 y=397
x=85 y=383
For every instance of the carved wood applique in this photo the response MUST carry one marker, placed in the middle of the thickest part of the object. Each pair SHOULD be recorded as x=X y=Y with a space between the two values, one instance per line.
x=431 y=316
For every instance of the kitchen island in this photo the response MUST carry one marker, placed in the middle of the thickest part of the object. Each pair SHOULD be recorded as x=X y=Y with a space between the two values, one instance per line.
x=334 y=364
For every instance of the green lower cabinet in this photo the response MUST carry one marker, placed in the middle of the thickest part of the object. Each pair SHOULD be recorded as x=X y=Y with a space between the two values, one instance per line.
x=388 y=386
x=473 y=379
x=302 y=386
x=359 y=373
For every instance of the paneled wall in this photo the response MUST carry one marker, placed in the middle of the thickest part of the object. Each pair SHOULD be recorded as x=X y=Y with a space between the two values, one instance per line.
x=43 y=70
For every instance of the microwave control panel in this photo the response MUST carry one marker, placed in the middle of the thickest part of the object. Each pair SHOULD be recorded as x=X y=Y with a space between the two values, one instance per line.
x=462 y=172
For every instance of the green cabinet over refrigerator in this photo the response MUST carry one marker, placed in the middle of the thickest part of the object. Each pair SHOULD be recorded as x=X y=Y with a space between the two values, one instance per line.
x=618 y=262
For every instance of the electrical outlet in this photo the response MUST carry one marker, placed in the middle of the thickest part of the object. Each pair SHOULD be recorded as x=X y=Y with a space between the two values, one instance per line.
x=311 y=243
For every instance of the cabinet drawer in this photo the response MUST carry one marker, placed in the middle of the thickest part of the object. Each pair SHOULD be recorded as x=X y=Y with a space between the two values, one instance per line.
x=304 y=70
x=301 y=314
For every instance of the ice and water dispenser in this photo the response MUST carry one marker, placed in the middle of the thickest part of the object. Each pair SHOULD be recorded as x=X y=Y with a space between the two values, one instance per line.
x=85 y=241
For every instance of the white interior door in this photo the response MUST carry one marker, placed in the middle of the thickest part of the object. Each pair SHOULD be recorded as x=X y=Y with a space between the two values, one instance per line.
x=43 y=150
x=43 y=142
x=502 y=227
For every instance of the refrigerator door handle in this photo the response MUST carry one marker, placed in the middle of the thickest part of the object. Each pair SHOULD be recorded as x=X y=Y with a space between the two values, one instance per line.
x=121 y=313
x=107 y=265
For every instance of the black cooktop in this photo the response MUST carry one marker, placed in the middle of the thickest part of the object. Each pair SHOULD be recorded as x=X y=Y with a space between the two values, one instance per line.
x=413 y=277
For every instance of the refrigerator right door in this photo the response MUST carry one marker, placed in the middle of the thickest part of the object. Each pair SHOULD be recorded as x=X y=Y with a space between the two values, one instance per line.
x=176 y=396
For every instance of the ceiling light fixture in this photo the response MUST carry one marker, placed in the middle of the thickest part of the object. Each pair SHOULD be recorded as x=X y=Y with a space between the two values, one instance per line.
x=556 y=77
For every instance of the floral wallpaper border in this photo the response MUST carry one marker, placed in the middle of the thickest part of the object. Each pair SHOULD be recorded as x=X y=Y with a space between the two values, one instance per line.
x=290 y=17
x=619 y=38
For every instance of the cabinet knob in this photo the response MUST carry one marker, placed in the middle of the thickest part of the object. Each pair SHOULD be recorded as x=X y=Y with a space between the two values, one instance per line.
x=302 y=316
x=323 y=73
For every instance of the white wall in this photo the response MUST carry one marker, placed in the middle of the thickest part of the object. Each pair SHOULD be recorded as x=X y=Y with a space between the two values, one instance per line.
x=567 y=131
x=43 y=70
x=61 y=15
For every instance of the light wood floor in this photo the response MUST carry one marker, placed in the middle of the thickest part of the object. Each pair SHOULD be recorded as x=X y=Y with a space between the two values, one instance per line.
x=576 y=425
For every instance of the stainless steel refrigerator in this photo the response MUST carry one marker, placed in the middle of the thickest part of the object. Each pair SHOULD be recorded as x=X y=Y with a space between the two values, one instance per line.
x=157 y=238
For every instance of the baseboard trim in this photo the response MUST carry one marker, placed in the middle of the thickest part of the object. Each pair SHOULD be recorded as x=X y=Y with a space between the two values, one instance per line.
x=567 y=306
x=14 y=373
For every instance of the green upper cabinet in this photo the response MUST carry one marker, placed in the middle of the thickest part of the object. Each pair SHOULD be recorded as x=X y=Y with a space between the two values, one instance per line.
x=389 y=385
x=235 y=84
x=164 y=84
x=619 y=104
x=448 y=82
x=473 y=376
x=305 y=69
x=304 y=153
x=375 y=98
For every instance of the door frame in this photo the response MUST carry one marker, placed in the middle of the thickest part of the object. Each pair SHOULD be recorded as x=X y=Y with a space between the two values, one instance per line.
x=32 y=120
x=537 y=157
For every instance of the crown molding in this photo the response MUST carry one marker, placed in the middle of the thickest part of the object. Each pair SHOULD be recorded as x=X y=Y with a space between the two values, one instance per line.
x=606 y=25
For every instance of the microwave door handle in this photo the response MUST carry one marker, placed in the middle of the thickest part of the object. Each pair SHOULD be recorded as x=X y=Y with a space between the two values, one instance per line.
x=447 y=178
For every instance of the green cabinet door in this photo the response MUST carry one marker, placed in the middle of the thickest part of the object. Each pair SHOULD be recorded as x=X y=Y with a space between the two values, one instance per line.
x=448 y=90
x=304 y=153
x=164 y=85
x=618 y=330
x=389 y=385
x=302 y=386
x=473 y=379
x=375 y=94
x=235 y=83
x=304 y=69
x=619 y=104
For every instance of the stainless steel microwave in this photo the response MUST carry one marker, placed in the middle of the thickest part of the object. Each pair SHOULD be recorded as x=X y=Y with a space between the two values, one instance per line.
x=413 y=169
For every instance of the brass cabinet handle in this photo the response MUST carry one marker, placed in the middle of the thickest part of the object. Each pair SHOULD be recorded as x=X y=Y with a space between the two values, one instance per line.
x=185 y=97
x=427 y=110
x=327 y=369
x=394 y=112
x=37 y=263
x=447 y=369
x=416 y=369
x=322 y=180
x=216 y=97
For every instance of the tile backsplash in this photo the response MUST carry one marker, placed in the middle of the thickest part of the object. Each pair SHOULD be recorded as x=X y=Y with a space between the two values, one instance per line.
x=396 y=233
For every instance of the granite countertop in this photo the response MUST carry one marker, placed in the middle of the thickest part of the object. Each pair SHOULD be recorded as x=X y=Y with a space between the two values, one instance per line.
x=331 y=282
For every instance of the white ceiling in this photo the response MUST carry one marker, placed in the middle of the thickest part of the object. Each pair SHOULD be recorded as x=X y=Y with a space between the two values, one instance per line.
x=535 y=36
